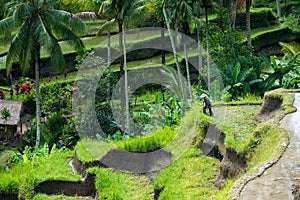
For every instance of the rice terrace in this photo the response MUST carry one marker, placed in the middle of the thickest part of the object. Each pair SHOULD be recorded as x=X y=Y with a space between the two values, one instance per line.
x=150 y=99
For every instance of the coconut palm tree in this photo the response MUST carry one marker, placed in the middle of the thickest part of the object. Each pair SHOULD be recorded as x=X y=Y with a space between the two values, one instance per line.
x=123 y=13
x=157 y=14
x=197 y=12
x=174 y=51
x=40 y=26
x=184 y=20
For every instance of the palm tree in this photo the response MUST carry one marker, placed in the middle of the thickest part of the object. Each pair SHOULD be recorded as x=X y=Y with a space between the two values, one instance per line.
x=278 y=9
x=248 y=23
x=206 y=4
x=40 y=26
x=174 y=51
x=197 y=13
x=122 y=12
x=157 y=12
x=183 y=15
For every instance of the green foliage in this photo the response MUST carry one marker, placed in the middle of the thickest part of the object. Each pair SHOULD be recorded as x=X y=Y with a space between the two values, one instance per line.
x=29 y=153
x=56 y=97
x=118 y=136
x=52 y=129
x=22 y=178
x=121 y=186
x=150 y=142
x=5 y=113
x=280 y=69
x=226 y=49
x=51 y=132
x=162 y=113
x=69 y=136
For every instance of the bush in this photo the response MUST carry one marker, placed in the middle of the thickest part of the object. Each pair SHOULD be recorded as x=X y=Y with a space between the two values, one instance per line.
x=51 y=131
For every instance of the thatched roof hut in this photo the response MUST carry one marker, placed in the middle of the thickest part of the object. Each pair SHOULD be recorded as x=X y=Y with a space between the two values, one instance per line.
x=15 y=109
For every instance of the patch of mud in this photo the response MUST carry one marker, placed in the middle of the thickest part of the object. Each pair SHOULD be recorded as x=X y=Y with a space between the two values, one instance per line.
x=157 y=192
x=148 y=164
x=69 y=188
x=270 y=106
x=137 y=163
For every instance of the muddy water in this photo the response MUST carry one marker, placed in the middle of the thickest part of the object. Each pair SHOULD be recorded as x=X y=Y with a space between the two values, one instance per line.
x=276 y=183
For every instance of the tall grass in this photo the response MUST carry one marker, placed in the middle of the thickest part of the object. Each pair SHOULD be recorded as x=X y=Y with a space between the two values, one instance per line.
x=151 y=142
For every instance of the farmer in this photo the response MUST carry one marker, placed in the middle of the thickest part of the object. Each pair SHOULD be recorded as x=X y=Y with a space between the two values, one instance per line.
x=207 y=104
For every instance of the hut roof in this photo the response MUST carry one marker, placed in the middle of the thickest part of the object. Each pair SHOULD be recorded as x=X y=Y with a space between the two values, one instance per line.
x=15 y=108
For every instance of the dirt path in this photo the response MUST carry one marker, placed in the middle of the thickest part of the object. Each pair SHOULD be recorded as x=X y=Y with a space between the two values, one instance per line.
x=277 y=182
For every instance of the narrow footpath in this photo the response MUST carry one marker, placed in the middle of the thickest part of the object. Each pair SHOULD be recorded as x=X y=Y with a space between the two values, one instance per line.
x=277 y=182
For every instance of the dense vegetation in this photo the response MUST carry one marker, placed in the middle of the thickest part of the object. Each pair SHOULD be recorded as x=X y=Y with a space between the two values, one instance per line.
x=246 y=52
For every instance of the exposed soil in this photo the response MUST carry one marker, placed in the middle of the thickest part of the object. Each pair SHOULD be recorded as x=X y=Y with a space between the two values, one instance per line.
x=69 y=188
x=148 y=163
x=269 y=107
x=8 y=196
x=281 y=181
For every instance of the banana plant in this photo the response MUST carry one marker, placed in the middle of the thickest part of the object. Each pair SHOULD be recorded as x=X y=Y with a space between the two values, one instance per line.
x=279 y=68
x=235 y=80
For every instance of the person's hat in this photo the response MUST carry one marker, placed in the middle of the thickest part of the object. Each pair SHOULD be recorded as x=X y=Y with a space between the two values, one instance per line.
x=203 y=95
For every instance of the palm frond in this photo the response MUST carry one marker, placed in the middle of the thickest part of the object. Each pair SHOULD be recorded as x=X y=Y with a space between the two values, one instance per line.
x=61 y=16
x=77 y=25
x=7 y=25
x=16 y=49
x=23 y=12
x=63 y=32
x=109 y=25
x=57 y=58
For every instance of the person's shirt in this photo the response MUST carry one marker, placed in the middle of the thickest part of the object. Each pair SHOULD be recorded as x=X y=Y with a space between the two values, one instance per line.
x=207 y=101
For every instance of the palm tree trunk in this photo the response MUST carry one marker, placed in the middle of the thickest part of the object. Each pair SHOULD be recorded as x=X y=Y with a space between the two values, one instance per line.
x=187 y=70
x=108 y=51
x=38 y=103
x=122 y=98
x=248 y=22
x=232 y=12
x=163 y=52
x=108 y=66
x=199 y=48
x=126 y=80
x=207 y=50
x=278 y=9
x=174 y=52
